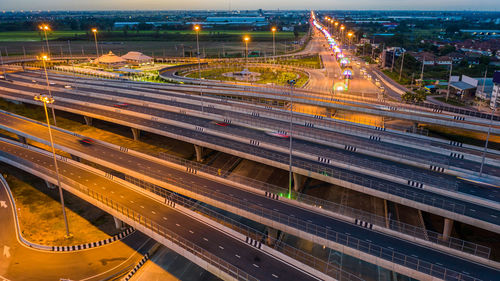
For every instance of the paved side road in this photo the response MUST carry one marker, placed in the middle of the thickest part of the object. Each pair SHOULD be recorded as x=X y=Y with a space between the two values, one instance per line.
x=20 y=262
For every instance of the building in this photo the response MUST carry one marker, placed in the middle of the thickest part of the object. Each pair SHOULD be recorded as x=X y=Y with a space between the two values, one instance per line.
x=220 y=21
x=466 y=87
x=110 y=60
x=495 y=94
x=425 y=57
x=444 y=60
x=387 y=56
x=137 y=58
x=456 y=57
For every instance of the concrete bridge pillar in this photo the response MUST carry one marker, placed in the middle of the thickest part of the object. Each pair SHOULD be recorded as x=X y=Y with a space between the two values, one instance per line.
x=272 y=236
x=88 y=120
x=75 y=158
x=199 y=153
x=136 y=133
x=298 y=181
x=448 y=226
x=118 y=223
x=22 y=139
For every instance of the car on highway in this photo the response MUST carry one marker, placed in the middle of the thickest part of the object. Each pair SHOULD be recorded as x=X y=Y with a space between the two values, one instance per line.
x=277 y=134
x=222 y=124
x=120 y=105
x=86 y=141
x=34 y=81
x=67 y=86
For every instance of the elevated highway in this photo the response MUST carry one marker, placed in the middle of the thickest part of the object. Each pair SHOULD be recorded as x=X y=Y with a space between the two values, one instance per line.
x=122 y=161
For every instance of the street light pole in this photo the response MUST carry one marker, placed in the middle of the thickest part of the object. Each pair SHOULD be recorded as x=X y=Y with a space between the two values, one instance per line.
x=273 y=29
x=291 y=83
x=486 y=143
x=45 y=100
x=197 y=29
x=45 y=58
x=94 y=30
x=45 y=27
x=402 y=62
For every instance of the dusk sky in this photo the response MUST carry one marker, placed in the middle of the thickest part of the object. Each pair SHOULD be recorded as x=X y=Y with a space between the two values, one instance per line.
x=488 y=5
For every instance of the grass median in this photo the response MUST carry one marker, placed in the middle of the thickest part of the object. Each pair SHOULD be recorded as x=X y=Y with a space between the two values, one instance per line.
x=267 y=75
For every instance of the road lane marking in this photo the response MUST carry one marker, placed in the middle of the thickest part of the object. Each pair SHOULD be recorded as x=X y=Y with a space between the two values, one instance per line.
x=255 y=265
x=220 y=247
x=131 y=201
x=165 y=218
x=238 y=256
x=205 y=239
x=191 y=232
x=177 y=224
x=274 y=275
x=153 y=212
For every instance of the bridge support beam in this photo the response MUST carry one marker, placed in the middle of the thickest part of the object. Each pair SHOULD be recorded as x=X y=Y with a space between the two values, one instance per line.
x=199 y=153
x=448 y=226
x=75 y=158
x=272 y=236
x=88 y=120
x=298 y=181
x=118 y=223
x=22 y=139
x=136 y=133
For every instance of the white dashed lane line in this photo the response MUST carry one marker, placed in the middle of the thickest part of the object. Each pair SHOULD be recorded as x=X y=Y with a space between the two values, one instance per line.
x=164 y=218
x=142 y=206
x=274 y=275
x=177 y=224
x=191 y=232
x=255 y=265
x=238 y=256
x=154 y=213
x=205 y=239
x=220 y=247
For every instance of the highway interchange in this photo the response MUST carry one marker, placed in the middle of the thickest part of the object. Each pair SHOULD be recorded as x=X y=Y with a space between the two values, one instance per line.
x=170 y=114
x=155 y=170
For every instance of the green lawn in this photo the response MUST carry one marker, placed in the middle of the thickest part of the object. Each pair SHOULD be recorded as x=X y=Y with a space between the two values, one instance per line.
x=35 y=35
x=451 y=101
x=267 y=75
x=309 y=61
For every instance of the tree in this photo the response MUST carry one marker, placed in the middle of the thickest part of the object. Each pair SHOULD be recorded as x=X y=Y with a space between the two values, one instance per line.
x=443 y=51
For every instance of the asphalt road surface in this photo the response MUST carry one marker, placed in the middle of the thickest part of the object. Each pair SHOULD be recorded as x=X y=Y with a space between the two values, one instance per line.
x=20 y=262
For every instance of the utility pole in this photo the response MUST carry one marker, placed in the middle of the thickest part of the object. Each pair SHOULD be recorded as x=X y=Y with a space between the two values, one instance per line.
x=393 y=56
x=402 y=63
x=449 y=82
x=422 y=72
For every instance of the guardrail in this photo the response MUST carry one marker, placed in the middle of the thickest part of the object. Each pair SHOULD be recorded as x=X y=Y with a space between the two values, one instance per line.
x=401 y=227
x=404 y=228
x=340 y=238
x=141 y=219
x=326 y=267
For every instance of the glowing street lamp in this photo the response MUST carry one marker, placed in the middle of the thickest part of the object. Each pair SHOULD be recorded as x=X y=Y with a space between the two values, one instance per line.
x=342 y=27
x=197 y=29
x=246 y=39
x=45 y=28
x=273 y=29
x=349 y=35
x=94 y=30
x=45 y=100
x=45 y=58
